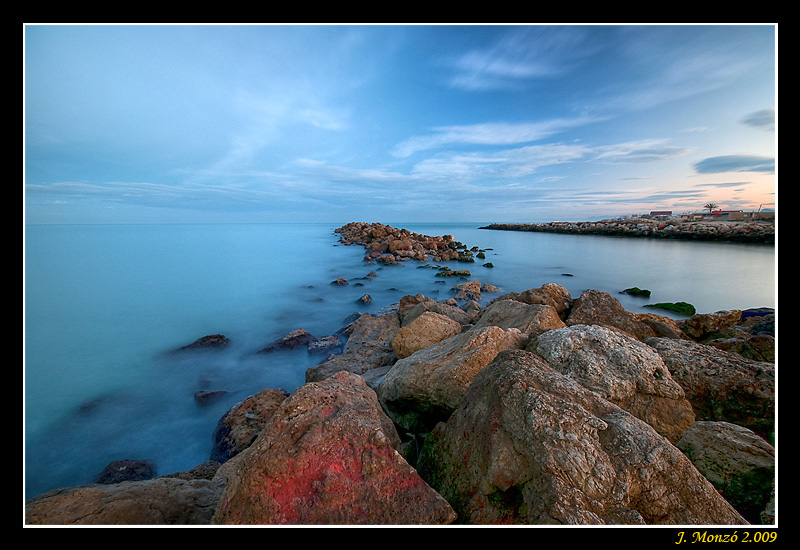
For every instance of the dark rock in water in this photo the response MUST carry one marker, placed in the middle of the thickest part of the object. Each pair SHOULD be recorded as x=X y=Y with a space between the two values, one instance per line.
x=326 y=344
x=365 y=299
x=339 y=282
x=636 y=291
x=126 y=470
x=205 y=397
x=208 y=342
x=295 y=339
x=683 y=308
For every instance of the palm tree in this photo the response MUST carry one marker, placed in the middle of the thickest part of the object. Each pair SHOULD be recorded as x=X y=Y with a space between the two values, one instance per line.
x=711 y=206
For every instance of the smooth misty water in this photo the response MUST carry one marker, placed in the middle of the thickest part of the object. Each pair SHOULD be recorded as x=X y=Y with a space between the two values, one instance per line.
x=105 y=304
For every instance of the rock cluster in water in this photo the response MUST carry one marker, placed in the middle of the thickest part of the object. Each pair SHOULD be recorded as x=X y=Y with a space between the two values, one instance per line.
x=538 y=408
x=731 y=231
x=388 y=245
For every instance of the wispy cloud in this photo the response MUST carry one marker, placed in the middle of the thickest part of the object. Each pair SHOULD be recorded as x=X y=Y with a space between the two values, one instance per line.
x=491 y=133
x=735 y=163
x=648 y=150
x=520 y=56
x=763 y=120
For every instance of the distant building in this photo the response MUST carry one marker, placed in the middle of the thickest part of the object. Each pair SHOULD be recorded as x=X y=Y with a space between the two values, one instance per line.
x=655 y=213
x=761 y=215
x=731 y=215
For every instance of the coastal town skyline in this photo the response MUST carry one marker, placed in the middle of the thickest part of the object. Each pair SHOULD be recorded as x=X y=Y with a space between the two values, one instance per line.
x=328 y=123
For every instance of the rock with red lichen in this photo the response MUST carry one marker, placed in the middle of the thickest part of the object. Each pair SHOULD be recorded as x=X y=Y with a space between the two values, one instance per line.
x=327 y=456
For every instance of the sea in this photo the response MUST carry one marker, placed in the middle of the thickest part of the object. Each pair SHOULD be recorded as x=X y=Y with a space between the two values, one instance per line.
x=106 y=306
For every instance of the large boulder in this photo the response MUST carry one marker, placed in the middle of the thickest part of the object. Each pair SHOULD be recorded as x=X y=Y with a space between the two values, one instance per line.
x=328 y=456
x=238 y=427
x=550 y=294
x=368 y=348
x=738 y=462
x=621 y=369
x=424 y=388
x=529 y=445
x=595 y=307
x=159 y=501
x=427 y=329
x=461 y=316
x=721 y=385
x=529 y=319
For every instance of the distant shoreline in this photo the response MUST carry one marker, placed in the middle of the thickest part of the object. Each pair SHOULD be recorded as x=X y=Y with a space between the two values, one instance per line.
x=756 y=232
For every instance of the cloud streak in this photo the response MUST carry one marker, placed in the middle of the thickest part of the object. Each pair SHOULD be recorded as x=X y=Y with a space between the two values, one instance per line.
x=735 y=163
x=492 y=133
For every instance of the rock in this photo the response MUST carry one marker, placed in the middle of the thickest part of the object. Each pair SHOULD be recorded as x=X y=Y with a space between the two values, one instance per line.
x=551 y=294
x=700 y=325
x=620 y=369
x=720 y=385
x=212 y=341
x=425 y=330
x=339 y=282
x=325 y=344
x=636 y=291
x=206 y=397
x=327 y=456
x=126 y=470
x=528 y=445
x=295 y=339
x=662 y=326
x=238 y=427
x=455 y=313
x=470 y=290
x=681 y=308
x=206 y=470
x=159 y=501
x=409 y=301
x=595 y=307
x=738 y=462
x=368 y=348
x=387 y=259
x=485 y=287
x=528 y=318
x=447 y=272
x=426 y=387
x=365 y=299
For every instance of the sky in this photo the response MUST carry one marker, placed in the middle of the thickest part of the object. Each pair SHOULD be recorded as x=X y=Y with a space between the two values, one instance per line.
x=385 y=123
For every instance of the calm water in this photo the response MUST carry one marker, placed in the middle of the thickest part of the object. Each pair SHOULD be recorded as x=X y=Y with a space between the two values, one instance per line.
x=104 y=304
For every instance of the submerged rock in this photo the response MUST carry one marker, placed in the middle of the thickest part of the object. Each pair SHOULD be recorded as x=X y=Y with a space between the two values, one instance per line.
x=295 y=339
x=212 y=341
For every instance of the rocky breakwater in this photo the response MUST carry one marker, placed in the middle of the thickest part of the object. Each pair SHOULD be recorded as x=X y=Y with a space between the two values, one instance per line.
x=389 y=245
x=538 y=408
x=725 y=231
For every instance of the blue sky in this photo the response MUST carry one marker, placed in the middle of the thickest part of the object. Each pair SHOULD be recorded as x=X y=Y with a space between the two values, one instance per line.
x=338 y=123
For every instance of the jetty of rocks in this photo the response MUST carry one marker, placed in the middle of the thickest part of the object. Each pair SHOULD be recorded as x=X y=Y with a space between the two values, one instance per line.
x=538 y=408
x=388 y=245
x=722 y=231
